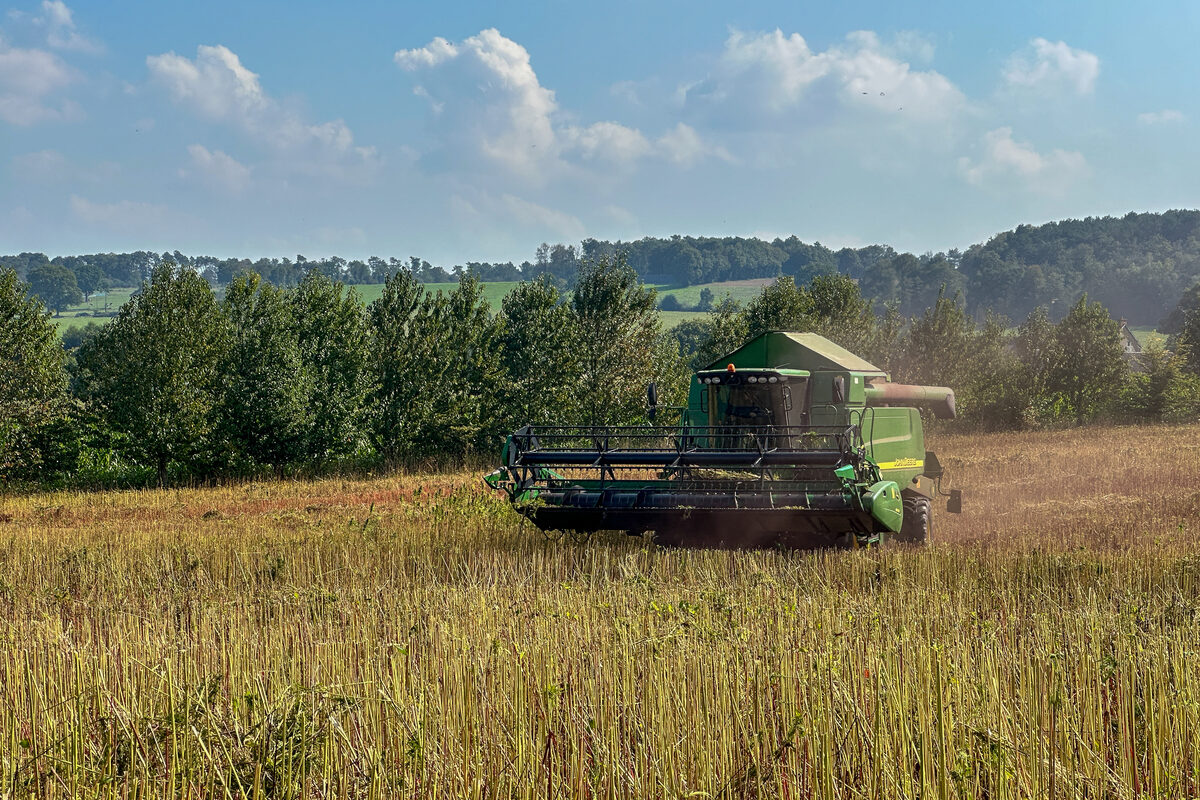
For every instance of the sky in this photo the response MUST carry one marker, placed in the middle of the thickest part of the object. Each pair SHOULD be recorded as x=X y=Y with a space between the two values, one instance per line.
x=474 y=131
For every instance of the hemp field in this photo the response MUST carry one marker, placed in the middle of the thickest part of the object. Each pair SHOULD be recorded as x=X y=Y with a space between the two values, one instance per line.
x=404 y=637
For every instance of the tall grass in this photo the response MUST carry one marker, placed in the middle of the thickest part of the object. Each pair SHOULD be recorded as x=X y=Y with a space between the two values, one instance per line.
x=406 y=637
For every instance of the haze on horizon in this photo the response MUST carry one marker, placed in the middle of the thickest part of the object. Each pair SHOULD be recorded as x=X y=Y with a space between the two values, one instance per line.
x=270 y=129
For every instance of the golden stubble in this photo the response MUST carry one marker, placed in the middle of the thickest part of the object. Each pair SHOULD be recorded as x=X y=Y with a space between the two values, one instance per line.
x=406 y=636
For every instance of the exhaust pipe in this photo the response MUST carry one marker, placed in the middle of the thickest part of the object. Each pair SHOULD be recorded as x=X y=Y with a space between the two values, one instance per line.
x=939 y=399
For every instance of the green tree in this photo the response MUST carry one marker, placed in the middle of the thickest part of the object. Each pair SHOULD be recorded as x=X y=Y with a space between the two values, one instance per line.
x=436 y=372
x=937 y=350
x=90 y=278
x=616 y=328
x=841 y=314
x=56 y=285
x=1184 y=324
x=1163 y=389
x=37 y=438
x=331 y=331
x=1091 y=366
x=706 y=300
x=782 y=306
x=264 y=411
x=724 y=330
x=398 y=379
x=1037 y=349
x=153 y=374
x=537 y=355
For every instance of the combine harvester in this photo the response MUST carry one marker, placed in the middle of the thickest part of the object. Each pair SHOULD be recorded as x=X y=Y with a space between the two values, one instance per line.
x=789 y=440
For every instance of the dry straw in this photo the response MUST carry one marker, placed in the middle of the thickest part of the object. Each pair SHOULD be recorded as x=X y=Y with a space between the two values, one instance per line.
x=404 y=637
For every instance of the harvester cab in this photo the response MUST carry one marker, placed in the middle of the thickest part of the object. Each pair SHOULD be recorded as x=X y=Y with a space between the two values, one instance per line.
x=790 y=440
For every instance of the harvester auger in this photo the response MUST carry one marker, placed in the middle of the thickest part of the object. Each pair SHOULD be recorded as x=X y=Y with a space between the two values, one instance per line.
x=789 y=440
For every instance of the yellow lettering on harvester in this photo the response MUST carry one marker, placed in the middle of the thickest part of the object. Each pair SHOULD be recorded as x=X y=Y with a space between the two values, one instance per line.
x=903 y=463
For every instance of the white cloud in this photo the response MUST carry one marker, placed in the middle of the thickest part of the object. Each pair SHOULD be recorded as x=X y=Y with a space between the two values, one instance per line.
x=218 y=169
x=607 y=140
x=1053 y=67
x=482 y=211
x=42 y=165
x=125 y=215
x=684 y=146
x=763 y=75
x=1004 y=158
x=61 y=33
x=29 y=79
x=218 y=86
x=490 y=109
x=1163 y=117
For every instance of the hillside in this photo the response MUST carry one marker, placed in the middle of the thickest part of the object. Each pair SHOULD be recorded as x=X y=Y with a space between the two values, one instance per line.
x=1137 y=265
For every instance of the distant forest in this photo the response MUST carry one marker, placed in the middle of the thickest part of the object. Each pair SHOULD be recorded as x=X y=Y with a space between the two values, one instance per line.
x=1137 y=265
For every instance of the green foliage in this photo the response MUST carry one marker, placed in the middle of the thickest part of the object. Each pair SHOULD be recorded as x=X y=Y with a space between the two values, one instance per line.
x=396 y=369
x=435 y=370
x=944 y=347
x=265 y=406
x=1163 y=390
x=37 y=437
x=782 y=306
x=840 y=313
x=617 y=330
x=90 y=278
x=56 y=286
x=536 y=349
x=331 y=333
x=722 y=332
x=153 y=374
x=937 y=350
x=1090 y=367
x=670 y=303
x=1184 y=323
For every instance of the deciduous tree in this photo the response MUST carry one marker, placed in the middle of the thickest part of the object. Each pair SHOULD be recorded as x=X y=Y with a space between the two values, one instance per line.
x=153 y=374
x=37 y=439
x=265 y=408
x=56 y=286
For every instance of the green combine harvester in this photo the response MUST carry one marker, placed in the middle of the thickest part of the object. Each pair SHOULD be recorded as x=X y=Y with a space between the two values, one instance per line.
x=789 y=440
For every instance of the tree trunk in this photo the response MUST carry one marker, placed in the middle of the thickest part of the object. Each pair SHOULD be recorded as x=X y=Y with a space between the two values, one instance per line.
x=162 y=472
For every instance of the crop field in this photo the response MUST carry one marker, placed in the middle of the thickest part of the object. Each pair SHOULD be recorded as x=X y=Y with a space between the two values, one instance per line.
x=405 y=636
x=99 y=309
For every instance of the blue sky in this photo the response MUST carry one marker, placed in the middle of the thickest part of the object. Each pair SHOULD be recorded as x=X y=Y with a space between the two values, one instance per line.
x=475 y=131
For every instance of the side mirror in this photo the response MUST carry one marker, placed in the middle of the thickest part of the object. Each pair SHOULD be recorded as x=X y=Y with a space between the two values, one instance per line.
x=954 y=504
x=652 y=400
x=839 y=389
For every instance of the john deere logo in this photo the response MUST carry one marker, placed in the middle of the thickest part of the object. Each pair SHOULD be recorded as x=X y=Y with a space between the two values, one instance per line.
x=902 y=463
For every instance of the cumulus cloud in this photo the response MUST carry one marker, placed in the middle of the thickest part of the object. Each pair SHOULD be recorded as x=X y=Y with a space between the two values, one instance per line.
x=217 y=169
x=30 y=79
x=1053 y=67
x=684 y=146
x=490 y=109
x=61 y=32
x=764 y=75
x=1005 y=158
x=216 y=85
x=1167 y=115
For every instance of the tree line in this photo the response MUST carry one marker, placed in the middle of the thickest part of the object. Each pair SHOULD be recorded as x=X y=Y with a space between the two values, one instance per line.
x=184 y=386
x=1137 y=266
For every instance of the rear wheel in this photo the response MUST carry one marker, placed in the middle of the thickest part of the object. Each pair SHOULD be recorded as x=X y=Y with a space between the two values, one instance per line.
x=918 y=521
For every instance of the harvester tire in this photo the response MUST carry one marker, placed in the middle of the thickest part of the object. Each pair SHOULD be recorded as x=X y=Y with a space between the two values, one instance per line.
x=917 y=521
